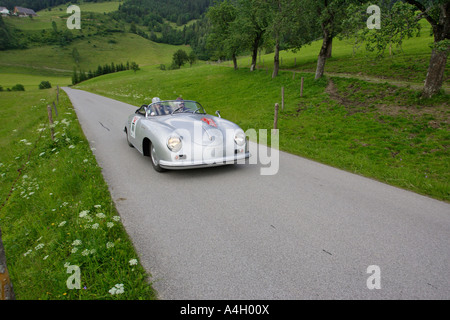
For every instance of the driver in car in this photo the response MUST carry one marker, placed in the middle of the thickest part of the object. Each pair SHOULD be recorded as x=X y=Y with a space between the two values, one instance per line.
x=159 y=109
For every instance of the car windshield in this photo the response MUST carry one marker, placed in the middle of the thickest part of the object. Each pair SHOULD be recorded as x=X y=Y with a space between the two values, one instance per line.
x=162 y=108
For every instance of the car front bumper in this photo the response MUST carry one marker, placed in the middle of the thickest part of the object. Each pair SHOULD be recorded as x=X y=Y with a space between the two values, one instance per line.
x=191 y=164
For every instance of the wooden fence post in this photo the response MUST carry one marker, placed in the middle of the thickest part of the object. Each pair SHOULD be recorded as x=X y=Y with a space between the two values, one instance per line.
x=301 y=88
x=54 y=107
x=275 y=121
x=50 y=119
x=282 y=98
x=57 y=95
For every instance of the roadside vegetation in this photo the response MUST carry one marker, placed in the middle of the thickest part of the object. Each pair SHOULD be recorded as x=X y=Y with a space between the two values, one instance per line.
x=56 y=210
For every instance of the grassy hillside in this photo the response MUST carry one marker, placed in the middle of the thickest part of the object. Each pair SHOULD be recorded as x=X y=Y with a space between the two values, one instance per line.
x=101 y=40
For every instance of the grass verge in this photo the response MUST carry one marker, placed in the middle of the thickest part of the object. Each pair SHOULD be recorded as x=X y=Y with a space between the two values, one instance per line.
x=56 y=210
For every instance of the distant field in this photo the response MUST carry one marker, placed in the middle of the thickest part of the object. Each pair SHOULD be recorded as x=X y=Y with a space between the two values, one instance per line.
x=117 y=48
x=101 y=7
x=30 y=82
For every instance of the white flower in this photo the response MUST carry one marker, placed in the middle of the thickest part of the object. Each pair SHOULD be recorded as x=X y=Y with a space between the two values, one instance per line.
x=100 y=215
x=71 y=146
x=110 y=224
x=67 y=264
x=116 y=218
x=27 y=253
x=41 y=154
x=85 y=160
x=133 y=262
x=77 y=243
x=62 y=224
x=39 y=246
x=45 y=258
x=109 y=245
x=95 y=226
x=74 y=250
x=83 y=214
x=117 y=289
x=85 y=252
x=97 y=206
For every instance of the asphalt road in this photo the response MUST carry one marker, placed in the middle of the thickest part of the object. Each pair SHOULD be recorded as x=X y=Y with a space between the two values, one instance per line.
x=309 y=232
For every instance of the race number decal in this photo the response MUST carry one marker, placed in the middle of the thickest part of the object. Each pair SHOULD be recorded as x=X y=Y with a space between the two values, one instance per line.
x=209 y=121
x=133 y=126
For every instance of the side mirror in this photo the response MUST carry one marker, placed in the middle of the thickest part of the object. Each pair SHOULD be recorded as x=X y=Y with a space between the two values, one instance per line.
x=218 y=113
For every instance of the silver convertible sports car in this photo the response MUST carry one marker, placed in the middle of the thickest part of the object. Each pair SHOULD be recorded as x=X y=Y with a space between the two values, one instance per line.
x=178 y=134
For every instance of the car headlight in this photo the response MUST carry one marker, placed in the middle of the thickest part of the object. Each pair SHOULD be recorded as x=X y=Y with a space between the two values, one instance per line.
x=239 y=138
x=174 y=144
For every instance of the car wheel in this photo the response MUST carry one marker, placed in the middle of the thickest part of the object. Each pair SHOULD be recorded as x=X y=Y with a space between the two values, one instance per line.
x=155 y=160
x=128 y=140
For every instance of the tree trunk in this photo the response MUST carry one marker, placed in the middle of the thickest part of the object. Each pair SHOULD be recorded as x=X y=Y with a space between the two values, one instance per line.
x=235 y=62
x=255 y=51
x=435 y=75
x=6 y=290
x=441 y=32
x=327 y=40
x=276 y=60
x=330 y=49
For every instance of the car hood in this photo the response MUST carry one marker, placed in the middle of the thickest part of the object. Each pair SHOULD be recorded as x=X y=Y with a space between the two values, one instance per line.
x=203 y=128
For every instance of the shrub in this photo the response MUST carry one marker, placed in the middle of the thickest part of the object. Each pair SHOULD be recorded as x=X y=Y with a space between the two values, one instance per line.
x=18 y=87
x=45 y=85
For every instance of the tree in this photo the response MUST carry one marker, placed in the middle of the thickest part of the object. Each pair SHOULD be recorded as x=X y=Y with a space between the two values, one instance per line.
x=251 y=24
x=134 y=66
x=290 y=28
x=329 y=14
x=192 y=58
x=398 y=21
x=76 y=55
x=133 y=28
x=437 y=13
x=180 y=57
x=223 y=38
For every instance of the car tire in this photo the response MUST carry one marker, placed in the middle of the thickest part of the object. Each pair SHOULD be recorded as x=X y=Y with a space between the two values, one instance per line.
x=128 y=140
x=154 y=160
